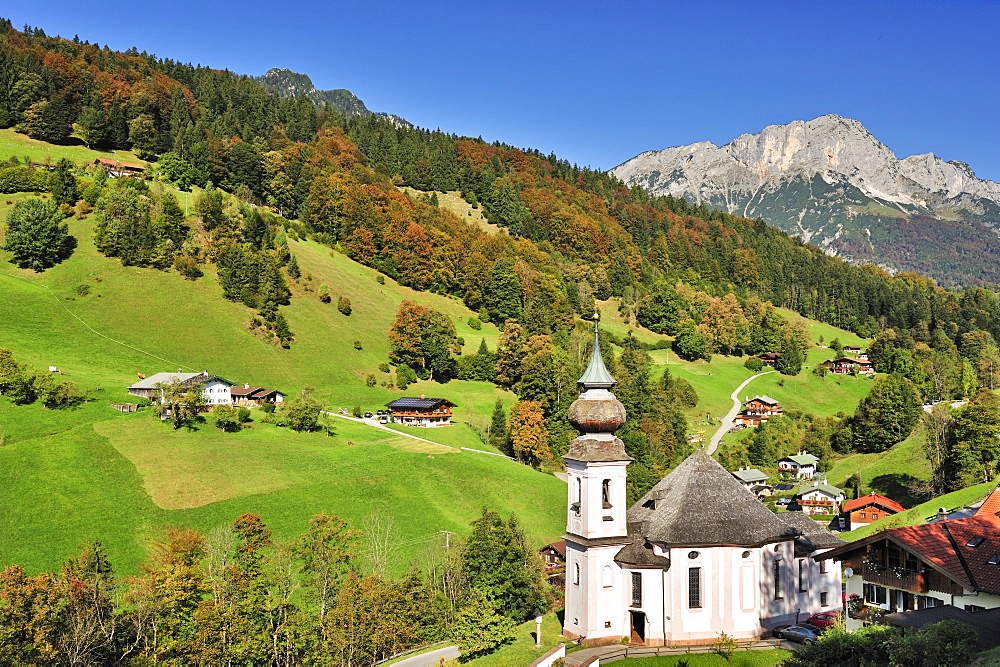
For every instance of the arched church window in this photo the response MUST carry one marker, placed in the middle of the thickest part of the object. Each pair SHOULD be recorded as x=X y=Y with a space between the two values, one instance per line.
x=576 y=573
x=607 y=577
x=606 y=493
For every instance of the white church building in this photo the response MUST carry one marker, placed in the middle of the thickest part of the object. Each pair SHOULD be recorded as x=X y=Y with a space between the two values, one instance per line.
x=695 y=557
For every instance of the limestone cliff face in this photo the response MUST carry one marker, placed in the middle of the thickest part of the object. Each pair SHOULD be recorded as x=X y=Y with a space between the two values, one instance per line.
x=831 y=182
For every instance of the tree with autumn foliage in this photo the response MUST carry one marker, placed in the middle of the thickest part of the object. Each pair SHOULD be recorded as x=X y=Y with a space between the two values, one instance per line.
x=528 y=437
x=423 y=339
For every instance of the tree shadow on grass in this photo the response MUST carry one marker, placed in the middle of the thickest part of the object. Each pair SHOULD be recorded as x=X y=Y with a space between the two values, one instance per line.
x=903 y=487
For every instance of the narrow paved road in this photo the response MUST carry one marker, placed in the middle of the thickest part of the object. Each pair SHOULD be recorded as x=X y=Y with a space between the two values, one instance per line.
x=430 y=658
x=727 y=421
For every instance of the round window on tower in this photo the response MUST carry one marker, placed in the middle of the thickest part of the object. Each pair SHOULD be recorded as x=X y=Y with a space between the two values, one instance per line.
x=693 y=554
x=777 y=548
x=746 y=554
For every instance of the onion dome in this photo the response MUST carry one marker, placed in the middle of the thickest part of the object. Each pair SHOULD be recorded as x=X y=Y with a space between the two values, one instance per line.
x=597 y=410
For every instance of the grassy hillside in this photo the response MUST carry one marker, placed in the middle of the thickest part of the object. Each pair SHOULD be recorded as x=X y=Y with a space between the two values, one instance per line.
x=13 y=144
x=94 y=473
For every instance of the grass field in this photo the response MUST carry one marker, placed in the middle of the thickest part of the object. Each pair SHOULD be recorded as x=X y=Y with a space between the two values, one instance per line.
x=20 y=146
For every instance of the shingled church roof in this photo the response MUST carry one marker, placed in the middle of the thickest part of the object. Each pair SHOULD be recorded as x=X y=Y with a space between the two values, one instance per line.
x=701 y=504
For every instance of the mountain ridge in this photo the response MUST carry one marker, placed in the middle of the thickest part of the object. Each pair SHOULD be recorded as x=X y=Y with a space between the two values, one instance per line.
x=286 y=83
x=830 y=181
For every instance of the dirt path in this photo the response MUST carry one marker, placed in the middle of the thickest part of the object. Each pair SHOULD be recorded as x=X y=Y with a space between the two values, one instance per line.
x=727 y=421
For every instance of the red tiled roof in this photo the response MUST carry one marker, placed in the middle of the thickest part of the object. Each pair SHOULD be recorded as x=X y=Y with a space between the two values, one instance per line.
x=991 y=505
x=243 y=391
x=942 y=545
x=873 y=499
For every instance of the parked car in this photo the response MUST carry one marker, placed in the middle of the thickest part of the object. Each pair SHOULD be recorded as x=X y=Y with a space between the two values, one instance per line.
x=383 y=420
x=368 y=415
x=795 y=633
x=824 y=619
x=781 y=502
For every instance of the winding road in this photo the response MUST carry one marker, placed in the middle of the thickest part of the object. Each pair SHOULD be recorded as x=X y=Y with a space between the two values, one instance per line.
x=727 y=421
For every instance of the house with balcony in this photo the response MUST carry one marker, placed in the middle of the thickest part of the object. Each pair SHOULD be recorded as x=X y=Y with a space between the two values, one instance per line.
x=819 y=498
x=215 y=389
x=868 y=509
x=849 y=365
x=757 y=410
x=421 y=411
x=954 y=562
x=769 y=358
x=854 y=351
x=802 y=465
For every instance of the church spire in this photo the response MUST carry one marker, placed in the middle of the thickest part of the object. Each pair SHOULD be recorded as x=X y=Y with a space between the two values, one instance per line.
x=596 y=376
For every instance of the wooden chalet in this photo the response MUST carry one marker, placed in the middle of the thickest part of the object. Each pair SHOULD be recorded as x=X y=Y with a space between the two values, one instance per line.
x=849 y=365
x=554 y=555
x=769 y=358
x=868 y=509
x=421 y=411
x=255 y=396
x=118 y=169
x=757 y=410
x=955 y=562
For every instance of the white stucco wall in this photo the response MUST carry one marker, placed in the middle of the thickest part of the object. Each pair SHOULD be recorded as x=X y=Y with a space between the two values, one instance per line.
x=217 y=393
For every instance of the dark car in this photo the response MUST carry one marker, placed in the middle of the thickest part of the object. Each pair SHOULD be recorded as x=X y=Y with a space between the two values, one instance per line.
x=824 y=619
x=795 y=633
x=368 y=415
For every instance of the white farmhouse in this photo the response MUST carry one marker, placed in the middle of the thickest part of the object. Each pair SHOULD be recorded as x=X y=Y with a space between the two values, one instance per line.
x=803 y=465
x=214 y=388
x=695 y=557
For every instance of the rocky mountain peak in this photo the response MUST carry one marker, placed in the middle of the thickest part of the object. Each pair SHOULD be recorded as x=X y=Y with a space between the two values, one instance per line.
x=828 y=180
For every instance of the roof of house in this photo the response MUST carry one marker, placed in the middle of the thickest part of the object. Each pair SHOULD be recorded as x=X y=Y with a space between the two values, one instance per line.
x=851 y=347
x=182 y=378
x=418 y=403
x=763 y=399
x=873 y=499
x=559 y=547
x=950 y=547
x=991 y=505
x=117 y=163
x=784 y=487
x=701 y=503
x=244 y=391
x=639 y=553
x=986 y=623
x=769 y=355
x=853 y=360
x=828 y=489
x=801 y=459
x=749 y=475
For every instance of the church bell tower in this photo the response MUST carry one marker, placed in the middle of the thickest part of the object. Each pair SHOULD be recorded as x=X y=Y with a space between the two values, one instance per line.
x=595 y=518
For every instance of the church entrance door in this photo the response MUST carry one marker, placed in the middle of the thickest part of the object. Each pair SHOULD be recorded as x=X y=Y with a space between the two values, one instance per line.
x=638 y=627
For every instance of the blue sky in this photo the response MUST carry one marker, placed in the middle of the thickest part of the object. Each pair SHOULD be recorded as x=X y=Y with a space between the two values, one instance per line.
x=599 y=82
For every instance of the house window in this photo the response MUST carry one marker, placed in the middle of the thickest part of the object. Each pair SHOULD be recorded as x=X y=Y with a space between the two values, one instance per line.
x=576 y=574
x=973 y=608
x=637 y=589
x=822 y=567
x=823 y=598
x=776 y=573
x=694 y=588
x=802 y=574
x=862 y=515
x=606 y=493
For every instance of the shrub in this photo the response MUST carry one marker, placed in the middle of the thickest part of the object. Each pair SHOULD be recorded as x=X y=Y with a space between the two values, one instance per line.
x=227 y=418
x=357 y=345
x=475 y=323
x=243 y=414
x=384 y=367
x=356 y=411
x=83 y=290
x=370 y=380
x=753 y=364
x=267 y=408
x=380 y=279
x=324 y=293
x=187 y=266
x=344 y=305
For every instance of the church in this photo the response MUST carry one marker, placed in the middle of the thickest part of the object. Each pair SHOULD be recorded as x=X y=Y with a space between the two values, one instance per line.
x=696 y=556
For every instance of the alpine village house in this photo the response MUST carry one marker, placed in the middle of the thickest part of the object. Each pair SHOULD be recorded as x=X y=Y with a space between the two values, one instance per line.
x=421 y=411
x=696 y=556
